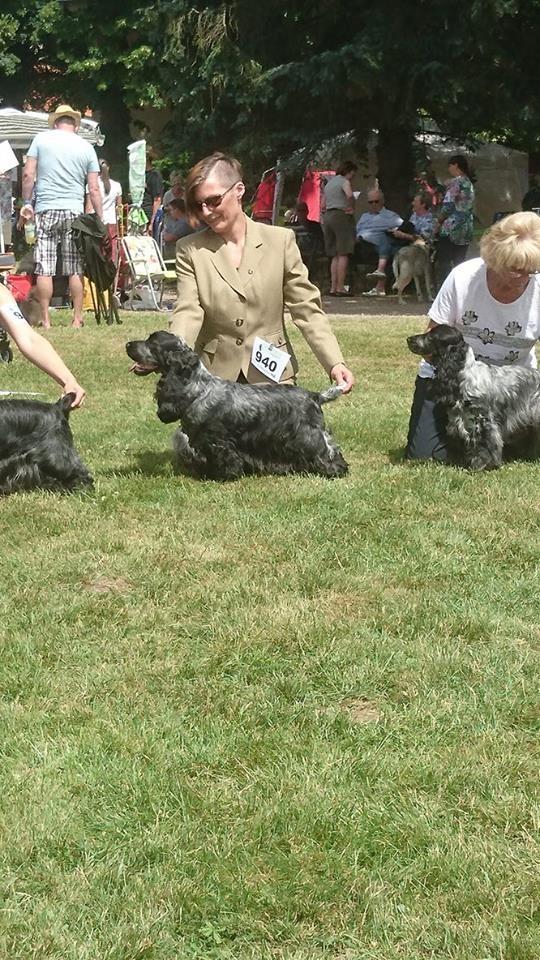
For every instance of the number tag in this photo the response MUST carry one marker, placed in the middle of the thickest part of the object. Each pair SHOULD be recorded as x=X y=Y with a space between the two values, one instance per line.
x=269 y=359
x=11 y=311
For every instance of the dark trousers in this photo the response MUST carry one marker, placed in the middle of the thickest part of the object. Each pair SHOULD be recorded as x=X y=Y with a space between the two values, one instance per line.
x=365 y=252
x=448 y=256
x=426 y=439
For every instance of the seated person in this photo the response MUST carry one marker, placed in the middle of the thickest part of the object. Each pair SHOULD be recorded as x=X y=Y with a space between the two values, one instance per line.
x=175 y=226
x=420 y=224
x=175 y=191
x=371 y=231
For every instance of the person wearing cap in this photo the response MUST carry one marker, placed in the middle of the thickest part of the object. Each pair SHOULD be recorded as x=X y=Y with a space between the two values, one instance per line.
x=59 y=165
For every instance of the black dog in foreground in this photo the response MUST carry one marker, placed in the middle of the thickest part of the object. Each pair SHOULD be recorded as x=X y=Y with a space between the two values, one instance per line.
x=36 y=447
x=492 y=411
x=229 y=429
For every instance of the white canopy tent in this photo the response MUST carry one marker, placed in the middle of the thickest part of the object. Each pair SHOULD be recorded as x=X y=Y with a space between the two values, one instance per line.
x=21 y=126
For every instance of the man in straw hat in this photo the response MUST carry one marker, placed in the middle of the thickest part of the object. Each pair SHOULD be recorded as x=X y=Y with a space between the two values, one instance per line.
x=60 y=164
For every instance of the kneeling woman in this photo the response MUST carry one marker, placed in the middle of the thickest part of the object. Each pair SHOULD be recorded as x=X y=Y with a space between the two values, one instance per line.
x=234 y=281
x=494 y=300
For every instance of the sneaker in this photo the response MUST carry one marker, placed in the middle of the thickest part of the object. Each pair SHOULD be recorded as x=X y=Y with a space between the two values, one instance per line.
x=378 y=274
x=374 y=293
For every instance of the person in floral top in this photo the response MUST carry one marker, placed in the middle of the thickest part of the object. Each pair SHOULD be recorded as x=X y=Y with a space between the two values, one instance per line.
x=454 y=226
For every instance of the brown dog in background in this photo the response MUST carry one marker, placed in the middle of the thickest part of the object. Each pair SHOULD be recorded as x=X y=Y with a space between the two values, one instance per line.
x=413 y=263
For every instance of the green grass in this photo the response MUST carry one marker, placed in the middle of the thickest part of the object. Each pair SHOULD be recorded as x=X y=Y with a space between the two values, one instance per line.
x=282 y=719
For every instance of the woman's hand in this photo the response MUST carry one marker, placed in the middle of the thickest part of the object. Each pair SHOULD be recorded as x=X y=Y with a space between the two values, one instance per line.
x=71 y=386
x=342 y=376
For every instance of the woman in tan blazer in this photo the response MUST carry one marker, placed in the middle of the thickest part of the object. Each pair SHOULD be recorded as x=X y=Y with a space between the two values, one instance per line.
x=236 y=278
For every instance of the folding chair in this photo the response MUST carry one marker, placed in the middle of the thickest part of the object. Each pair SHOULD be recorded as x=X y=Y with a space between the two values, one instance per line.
x=147 y=273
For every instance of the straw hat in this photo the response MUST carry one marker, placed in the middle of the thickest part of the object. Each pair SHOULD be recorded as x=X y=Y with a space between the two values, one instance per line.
x=64 y=110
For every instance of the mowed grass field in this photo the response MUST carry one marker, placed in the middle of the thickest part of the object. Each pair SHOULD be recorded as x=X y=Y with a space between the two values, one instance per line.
x=281 y=719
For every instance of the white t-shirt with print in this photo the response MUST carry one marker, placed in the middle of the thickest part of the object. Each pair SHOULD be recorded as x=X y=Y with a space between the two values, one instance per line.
x=499 y=333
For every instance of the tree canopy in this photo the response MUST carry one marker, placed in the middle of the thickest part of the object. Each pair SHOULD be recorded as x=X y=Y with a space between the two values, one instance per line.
x=264 y=80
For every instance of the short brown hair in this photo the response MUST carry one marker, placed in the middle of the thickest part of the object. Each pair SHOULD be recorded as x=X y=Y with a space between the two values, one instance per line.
x=424 y=199
x=348 y=166
x=228 y=169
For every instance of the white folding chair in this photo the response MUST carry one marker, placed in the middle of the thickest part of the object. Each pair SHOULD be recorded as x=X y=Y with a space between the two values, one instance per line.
x=147 y=273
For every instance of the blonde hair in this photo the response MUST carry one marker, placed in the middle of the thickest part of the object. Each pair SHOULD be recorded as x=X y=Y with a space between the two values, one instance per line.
x=228 y=169
x=513 y=243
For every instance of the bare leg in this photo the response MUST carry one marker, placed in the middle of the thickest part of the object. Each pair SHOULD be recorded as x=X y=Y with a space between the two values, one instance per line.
x=77 y=293
x=341 y=272
x=333 y=274
x=44 y=290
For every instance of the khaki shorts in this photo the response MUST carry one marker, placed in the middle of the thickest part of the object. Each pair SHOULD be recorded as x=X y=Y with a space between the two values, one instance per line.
x=339 y=233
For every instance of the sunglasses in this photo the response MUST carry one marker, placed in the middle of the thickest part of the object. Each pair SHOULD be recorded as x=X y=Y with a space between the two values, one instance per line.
x=212 y=202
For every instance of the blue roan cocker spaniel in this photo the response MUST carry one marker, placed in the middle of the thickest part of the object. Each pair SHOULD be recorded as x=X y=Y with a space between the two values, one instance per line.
x=232 y=429
x=493 y=412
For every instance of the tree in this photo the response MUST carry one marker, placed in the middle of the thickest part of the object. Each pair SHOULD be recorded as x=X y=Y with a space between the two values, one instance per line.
x=267 y=79
x=86 y=53
x=264 y=80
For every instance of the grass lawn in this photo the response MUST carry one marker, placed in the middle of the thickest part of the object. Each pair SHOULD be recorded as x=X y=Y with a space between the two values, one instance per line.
x=281 y=719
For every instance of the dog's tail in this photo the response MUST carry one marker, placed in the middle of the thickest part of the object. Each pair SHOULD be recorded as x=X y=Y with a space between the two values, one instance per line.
x=331 y=394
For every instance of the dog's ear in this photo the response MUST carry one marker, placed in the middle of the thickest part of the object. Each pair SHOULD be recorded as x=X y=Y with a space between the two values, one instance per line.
x=167 y=413
x=184 y=359
x=444 y=335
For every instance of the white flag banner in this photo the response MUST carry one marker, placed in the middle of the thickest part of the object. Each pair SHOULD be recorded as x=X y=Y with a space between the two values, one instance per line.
x=137 y=171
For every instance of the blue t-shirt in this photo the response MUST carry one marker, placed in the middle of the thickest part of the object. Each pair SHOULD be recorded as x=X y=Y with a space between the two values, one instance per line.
x=64 y=161
x=372 y=227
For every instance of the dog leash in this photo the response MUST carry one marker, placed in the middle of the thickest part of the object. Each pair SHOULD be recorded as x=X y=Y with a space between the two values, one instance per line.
x=20 y=393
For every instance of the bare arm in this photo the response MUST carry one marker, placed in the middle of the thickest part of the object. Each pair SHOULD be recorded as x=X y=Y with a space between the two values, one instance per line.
x=35 y=348
x=155 y=207
x=402 y=235
x=28 y=180
x=94 y=194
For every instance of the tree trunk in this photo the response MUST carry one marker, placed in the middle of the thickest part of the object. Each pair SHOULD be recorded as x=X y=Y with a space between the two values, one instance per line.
x=395 y=157
x=114 y=120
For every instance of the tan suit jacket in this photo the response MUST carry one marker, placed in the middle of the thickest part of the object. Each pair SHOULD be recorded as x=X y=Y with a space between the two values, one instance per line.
x=221 y=310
